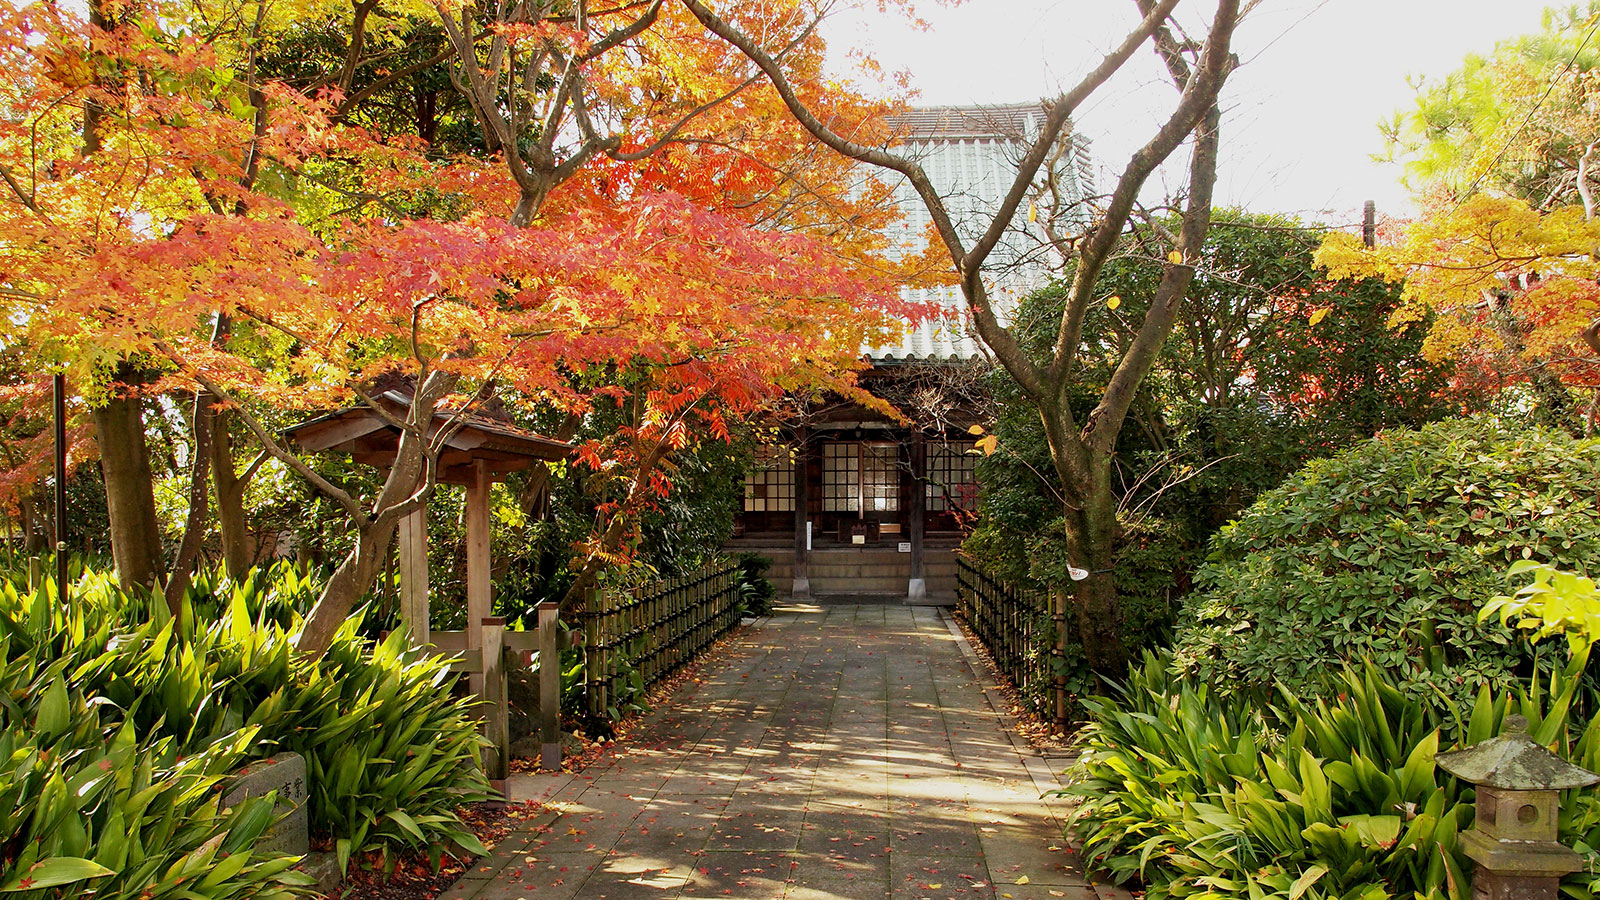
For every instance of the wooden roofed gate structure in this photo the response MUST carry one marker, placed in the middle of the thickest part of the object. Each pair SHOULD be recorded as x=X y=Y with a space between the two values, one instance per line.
x=479 y=448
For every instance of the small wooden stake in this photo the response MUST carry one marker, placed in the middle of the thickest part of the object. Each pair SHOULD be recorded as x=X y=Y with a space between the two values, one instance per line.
x=496 y=725
x=549 y=685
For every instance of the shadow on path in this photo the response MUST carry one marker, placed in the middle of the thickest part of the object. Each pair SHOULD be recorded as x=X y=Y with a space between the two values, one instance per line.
x=831 y=752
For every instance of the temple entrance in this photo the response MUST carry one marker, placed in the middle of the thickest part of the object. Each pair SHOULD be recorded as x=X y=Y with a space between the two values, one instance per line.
x=861 y=488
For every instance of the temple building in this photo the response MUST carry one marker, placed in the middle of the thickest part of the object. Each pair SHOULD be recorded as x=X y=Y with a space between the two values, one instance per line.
x=847 y=501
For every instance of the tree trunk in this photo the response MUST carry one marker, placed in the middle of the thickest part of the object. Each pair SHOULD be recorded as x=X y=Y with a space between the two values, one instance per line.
x=130 y=496
x=34 y=526
x=1092 y=541
x=1089 y=516
x=408 y=476
x=199 y=517
x=238 y=550
x=349 y=583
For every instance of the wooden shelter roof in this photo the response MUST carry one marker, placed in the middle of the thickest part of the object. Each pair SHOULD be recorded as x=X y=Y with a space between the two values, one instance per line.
x=474 y=437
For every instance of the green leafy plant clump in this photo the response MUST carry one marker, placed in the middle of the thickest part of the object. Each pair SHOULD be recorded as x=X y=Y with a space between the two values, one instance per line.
x=390 y=753
x=1202 y=794
x=90 y=806
x=1386 y=552
x=756 y=591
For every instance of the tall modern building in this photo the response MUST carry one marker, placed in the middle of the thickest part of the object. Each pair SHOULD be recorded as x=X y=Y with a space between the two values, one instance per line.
x=852 y=502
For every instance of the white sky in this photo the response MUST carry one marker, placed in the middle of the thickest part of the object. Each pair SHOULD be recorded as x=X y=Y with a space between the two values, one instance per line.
x=1300 y=116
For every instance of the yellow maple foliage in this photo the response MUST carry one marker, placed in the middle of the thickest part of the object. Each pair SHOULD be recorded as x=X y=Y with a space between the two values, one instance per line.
x=1495 y=278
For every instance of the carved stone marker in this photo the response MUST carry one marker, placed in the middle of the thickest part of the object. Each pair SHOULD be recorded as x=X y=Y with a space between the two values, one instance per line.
x=286 y=774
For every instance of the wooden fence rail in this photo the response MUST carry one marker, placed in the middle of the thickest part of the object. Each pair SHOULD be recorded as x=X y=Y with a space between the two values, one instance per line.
x=634 y=638
x=1014 y=625
x=484 y=658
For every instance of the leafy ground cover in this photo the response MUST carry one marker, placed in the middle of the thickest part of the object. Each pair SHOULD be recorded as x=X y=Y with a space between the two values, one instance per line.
x=411 y=875
x=120 y=722
x=1194 y=792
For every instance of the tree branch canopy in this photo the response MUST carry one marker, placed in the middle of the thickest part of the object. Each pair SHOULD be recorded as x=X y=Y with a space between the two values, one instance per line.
x=1082 y=458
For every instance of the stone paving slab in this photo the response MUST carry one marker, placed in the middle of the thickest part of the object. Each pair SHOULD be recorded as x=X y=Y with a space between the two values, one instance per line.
x=831 y=752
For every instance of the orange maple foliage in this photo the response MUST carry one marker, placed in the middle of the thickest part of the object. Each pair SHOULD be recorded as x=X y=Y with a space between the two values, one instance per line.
x=132 y=251
x=136 y=248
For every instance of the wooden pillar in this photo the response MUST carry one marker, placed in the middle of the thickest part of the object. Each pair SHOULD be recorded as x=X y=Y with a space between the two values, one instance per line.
x=593 y=655
x=917 y=588
x=491 y=636
x=802 y=516
x=549 y=685
x=480 y=594
x=58 y=417
x=414 y=575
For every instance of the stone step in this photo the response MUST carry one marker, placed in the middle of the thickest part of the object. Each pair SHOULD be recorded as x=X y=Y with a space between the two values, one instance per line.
x=929 y=569
x=836 y=570
x=869 y=570
x=858 y=585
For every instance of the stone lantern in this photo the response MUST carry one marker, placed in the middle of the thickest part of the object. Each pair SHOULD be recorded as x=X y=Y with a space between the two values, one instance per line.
x=1513 y=841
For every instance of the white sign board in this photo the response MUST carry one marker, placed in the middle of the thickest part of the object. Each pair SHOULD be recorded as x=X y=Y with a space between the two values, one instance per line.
x=905 y=546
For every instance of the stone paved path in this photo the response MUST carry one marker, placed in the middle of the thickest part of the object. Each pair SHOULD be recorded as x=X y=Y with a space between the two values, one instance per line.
x=833 y=752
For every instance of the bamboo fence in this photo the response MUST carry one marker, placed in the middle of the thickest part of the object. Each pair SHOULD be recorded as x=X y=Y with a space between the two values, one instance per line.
x=1013 y=624
x=635 y=638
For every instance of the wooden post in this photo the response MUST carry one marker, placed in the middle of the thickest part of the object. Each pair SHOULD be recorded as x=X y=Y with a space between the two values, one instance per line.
x=601 y=674
x=549 y=685
x=414 y=575
x=479 y=591
x=917 y=588
x=802 y=517
x=591 y=654
x=660 y=628
x=1058 y=651
x=58 y=395
x=1369 y=224
x=491 y=641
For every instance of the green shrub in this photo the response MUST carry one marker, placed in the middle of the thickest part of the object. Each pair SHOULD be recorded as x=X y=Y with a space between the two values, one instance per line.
x=1197 y=793
x=756 y=591
x=1386 y=552
x=390 y=754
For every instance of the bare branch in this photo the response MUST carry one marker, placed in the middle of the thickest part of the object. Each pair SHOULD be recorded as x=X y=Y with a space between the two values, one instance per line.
x=1101 y=429
x=1198 y=99
x=351 y=506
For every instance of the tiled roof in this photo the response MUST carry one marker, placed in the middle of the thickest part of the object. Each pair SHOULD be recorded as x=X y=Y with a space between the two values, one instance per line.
x=970 y=154
x=941 y=340
x=1003 y=121
x=948 y=338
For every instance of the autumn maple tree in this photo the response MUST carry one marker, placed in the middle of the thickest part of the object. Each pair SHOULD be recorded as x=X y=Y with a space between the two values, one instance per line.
x=192 y=241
